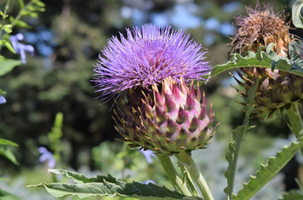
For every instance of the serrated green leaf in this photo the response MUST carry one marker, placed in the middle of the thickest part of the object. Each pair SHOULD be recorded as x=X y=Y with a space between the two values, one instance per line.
x=237 y=61
x=4 y=195
x=268 y=171
x=292 y=195
x=8 y=46
x=296 y=14
x=8 y=142
x=107 y=186
x=235 y=144
x=7 y=65
x=264 y=59
x=6 y=152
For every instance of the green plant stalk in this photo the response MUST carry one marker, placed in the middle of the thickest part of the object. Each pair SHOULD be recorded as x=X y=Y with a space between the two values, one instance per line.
x=187 y=179
x=234 y=146
x=19 y=14
x=172 y=175
x=295 y=120
x=13 y=23
x=196 y=176
x=3 y=17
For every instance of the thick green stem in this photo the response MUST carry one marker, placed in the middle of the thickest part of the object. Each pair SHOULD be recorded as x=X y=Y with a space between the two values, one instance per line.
x=172 y=175
x=187 y=179
x=295 y=120
x=187 y=161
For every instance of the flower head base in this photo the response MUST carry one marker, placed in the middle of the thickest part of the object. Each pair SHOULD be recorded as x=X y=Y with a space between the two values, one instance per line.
x=146 y=57
x=276 y=90
x=168 y=122
x=260 y=28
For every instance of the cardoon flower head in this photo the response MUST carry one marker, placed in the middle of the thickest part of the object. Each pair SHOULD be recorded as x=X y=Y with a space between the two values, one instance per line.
x=146 y=57
x=277 y=89
x=153 y=67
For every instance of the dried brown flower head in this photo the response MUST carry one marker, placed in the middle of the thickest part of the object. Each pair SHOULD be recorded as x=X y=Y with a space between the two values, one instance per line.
x=276 y=89
x=260 y=28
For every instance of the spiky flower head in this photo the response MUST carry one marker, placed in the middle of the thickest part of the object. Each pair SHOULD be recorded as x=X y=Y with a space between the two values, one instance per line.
x=260 y=28
x=172 y=120
x=150 y=60
x=146 y=57
x=276 y=89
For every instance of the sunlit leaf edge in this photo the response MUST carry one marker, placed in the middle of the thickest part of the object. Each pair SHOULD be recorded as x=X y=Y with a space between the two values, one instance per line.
x=106 y=186
x=8 y=142
x=269 y=170
x=264 y=59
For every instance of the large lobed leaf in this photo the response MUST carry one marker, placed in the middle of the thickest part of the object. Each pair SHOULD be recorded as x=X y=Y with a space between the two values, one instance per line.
x=107 y=186
x=268 y=171
x=264 y=59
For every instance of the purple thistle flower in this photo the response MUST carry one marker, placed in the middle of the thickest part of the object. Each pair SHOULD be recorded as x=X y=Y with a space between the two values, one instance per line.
x=21 y=48
x=146 y=57
x=46 y=155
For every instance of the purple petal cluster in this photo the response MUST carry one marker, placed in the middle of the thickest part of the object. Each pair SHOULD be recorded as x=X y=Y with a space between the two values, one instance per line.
x=148 y=154
x=47 y=156
x=21 y=48
x=2 y=100
x=146 y=57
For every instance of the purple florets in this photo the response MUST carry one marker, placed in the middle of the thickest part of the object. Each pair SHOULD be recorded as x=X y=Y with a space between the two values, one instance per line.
x=47 y=156
x=21 y=48
x=146 y=57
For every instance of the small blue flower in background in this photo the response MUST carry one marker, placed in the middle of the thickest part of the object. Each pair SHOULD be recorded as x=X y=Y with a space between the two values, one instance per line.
x=2 y=100
x=46 y=155
x=148 y=155
x=21 y=48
